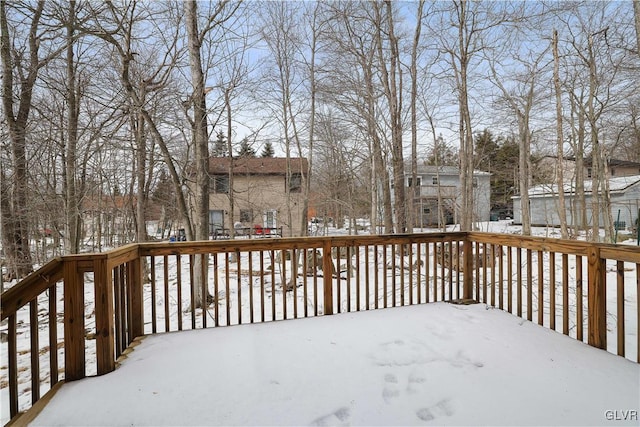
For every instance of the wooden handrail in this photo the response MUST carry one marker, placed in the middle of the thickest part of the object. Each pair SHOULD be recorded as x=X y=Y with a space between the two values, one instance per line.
x=30 y=287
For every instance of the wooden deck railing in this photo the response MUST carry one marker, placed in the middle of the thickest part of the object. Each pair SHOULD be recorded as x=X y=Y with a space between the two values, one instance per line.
x=76 y=315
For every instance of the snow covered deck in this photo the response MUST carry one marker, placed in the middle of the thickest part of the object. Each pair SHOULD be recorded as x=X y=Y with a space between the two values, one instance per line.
x=431 y=364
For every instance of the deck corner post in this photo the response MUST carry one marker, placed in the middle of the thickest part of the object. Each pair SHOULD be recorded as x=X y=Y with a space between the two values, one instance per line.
x=327 y=277
x=135 y=281
x=597 y=303
x=74 y=354
x=467 y=278
x=105 y=321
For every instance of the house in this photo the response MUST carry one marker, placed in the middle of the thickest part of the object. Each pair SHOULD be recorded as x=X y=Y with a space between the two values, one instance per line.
x=545 y=169
x=440 y=190
x=543 y=202
x=615 y=168
x=265 y=195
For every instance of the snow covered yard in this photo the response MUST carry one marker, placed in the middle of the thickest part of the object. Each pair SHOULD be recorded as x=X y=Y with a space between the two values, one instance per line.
x=432 y=364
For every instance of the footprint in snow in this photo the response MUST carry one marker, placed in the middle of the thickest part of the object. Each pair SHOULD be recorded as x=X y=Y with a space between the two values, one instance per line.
x=441 y=408
x=392 y=388
x=340 y=417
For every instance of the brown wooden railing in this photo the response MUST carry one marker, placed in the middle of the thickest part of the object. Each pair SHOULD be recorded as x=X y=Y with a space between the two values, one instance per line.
x=77 y=315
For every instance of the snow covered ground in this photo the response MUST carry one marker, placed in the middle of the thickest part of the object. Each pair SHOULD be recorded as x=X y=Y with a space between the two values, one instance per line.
x=434 y=364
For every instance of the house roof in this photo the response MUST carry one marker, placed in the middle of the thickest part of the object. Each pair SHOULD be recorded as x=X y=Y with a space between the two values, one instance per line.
x=441 y=170
x=257 y=165
x=616 y=185
x=613 y=162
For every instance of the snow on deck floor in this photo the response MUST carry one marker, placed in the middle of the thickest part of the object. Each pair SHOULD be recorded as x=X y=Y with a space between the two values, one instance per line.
x=434 y=364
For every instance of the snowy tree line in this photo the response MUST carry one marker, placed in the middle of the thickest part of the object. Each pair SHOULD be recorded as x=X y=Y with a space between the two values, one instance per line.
x=129 y=98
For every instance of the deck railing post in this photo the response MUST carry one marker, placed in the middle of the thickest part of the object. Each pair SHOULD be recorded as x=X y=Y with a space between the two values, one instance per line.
x=467 y=279
x=105 y=321
x=597 y=309
x=327 y=277
x=135 y=281
x=74 y=357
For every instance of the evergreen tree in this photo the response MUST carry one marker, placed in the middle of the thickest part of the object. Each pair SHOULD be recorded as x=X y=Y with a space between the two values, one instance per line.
x=499 y=156
x=246 y=150
x=267 y=151
x=442 y=155
x=220 y=147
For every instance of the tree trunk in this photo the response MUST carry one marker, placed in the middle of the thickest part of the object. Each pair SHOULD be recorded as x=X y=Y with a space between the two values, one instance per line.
x=173 y=173
x=636 y=13
x=72 y=236
x=466 y=134
x=141 y=171
x=392 y=92
x=200 y=137
x=562 y=210
x=15 y=234
x=230 y=188
x=415 y=189
x=524 y=174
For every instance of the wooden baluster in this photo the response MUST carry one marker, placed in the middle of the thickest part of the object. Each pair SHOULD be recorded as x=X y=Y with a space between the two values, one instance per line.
x=53 y=334
x=540 y=288
x=552 y=291
x=179 y=290
x=620 y=307
x=13 y=365
x=192 y=289
x=510 y=279
x=250 y=255
x=75 y=365
x=565 y=294
x=103 y=283
x=165 y=281
x=579 y=305
x=529 y=285
x=239 y=285
x=519 y=281
x=357 y=271
x=154 y=327
x=327 y=268
x=34 y=350
x=597 y=299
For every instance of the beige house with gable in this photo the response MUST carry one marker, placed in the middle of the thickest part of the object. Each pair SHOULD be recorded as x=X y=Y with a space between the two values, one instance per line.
x=263 y=194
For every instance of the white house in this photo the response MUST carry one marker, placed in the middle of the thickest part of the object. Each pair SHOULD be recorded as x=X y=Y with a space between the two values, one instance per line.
x=543 y=202
x=440 y=190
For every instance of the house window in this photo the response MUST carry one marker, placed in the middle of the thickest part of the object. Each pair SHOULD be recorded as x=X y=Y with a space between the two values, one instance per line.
x=269 y=219
x=216 y=220
x=434 y=180
x=588 y=172
x=219 y=184
x=246 y=215
x=295 y=183
x=418 y=181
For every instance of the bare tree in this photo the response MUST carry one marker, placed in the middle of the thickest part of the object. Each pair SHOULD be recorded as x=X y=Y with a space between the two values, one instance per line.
x=392 y=82
x=353 y=88
x=562 y=209
x=24 y=62
x=521 y=106
x=636 y=14
x=415 y=190
x=282 y=38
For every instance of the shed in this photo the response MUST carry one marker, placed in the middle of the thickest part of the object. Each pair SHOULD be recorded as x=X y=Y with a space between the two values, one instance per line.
x=543 y=201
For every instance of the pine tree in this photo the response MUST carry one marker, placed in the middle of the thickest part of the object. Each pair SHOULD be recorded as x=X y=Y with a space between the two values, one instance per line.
x=220 y=147
x=267 y=151
x=246 y=150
